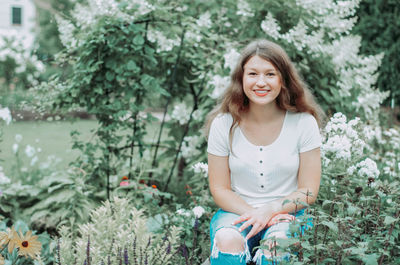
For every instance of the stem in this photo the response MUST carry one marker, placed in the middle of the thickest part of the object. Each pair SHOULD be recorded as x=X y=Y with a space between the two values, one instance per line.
x=195 y=96
x=326 y=228
x=315 y=240
x=170 y=87
x=108 y=176
x=138 y=100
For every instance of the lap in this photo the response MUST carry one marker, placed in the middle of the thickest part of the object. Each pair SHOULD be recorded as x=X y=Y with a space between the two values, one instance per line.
x=224 y=219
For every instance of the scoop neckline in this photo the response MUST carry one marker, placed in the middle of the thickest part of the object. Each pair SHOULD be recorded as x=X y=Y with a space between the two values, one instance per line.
x=275 y=141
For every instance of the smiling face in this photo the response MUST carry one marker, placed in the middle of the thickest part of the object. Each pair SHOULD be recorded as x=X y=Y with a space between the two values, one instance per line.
x=261 y=81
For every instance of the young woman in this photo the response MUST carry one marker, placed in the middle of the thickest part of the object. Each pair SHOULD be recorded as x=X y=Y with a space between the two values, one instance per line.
x=263 y=149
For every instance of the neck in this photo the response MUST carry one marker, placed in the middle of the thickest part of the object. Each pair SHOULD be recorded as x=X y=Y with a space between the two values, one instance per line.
x=259 y=113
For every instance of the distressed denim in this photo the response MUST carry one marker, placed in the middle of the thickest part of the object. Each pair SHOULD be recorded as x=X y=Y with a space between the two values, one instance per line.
x=223 y=219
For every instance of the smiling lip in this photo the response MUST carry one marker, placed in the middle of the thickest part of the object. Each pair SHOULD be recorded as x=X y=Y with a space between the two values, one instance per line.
x=261 y=93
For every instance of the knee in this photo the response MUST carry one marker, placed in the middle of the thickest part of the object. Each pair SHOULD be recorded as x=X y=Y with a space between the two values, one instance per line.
x=229 y=240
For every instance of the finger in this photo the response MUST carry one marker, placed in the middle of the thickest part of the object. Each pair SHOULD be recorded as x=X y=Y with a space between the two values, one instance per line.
x=240 y=219
x=246 y=224
x=253 y=231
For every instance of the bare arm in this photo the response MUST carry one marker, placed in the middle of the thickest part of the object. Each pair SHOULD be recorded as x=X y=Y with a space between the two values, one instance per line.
x=308 y=181
x=220 y=186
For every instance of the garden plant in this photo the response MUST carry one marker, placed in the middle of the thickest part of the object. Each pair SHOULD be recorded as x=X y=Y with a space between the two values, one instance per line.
x=128 y=199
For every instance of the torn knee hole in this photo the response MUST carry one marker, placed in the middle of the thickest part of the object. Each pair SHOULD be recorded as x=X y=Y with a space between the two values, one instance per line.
x=229 y=240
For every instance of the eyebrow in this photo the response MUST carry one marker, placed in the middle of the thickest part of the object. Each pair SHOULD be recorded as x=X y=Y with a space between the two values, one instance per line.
x=254 y=69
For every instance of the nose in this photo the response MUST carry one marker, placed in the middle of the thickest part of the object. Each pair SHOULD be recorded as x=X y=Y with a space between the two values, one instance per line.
x=261 y=81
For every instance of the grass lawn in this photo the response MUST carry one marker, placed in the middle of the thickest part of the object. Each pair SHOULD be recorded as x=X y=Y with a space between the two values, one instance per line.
x=53 y=138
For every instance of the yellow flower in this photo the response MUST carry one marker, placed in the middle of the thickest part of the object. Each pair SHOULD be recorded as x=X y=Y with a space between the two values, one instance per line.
x=28 y=245
x=9 y=237
x=3 y=239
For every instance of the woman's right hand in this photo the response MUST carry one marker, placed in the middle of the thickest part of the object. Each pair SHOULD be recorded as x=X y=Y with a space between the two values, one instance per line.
x=258 y=218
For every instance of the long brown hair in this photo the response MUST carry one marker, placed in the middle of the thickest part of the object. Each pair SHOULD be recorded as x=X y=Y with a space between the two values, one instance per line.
x=294 y=95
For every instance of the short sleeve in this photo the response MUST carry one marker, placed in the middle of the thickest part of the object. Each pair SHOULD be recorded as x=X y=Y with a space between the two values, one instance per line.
x=218 y=137
x=310 y=136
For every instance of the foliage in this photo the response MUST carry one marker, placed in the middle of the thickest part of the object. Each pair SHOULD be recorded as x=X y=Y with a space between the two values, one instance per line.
x=117 y=233
x=19 y=68
x=42 y=195
x=127 y=56
x=379 y=27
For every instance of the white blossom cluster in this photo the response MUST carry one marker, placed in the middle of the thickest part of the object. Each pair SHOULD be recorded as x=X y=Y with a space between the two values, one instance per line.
x=197 y=211
x=393 y=138
x=357 y=73
x=3 y=178
x=85 y=16
x=201 y=168
x=342 y=140
x=13 y=45
x=163 y=43
x=219 y=84
x=244 y=9
x=190 y=146
x=66 y=29
x=366 y=168
x=180 y=113
x=391 y=166
x=5 y=115
x=231 y=59
x=204 y=20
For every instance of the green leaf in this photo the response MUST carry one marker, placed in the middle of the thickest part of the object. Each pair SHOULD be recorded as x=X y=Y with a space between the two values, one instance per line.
x=330 y=225
x=389 y=220
x=110 y=76
x=131 y=65
x=138 y=40
x=371 y=259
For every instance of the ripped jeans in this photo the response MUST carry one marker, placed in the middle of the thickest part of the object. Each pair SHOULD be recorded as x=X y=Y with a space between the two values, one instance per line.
x=223 y=219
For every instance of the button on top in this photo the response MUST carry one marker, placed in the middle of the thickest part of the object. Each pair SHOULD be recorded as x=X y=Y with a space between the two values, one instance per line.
x=260 y=149
x=262 y=186
x=260 y=161
x=261 y=174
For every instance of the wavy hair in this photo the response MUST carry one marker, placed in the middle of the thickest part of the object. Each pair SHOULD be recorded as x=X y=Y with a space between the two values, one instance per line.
x=294 y=95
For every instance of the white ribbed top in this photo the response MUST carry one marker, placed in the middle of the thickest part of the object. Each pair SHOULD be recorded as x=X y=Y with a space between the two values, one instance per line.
x=260 y=174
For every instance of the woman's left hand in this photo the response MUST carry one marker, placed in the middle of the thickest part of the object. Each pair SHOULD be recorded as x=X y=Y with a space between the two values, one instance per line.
x=258 y=218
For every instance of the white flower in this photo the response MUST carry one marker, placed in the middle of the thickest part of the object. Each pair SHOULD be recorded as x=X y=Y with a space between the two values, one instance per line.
x=244 y=9
x=18 y=138
x=189 y=146
x=220 y=84
x=351 y=170
x=198 y=211
x=15 y=148
x=231 y=59
x=181 y=113
x=201 y=168
x=204 y=20
x=34 y=160
x=66 y=30
x=270 y=26
x=30 y=151
x=368 y=168
x=197 y=115
x=3 y=178
x=183 y=212
x=163 y=43
x=5 y=115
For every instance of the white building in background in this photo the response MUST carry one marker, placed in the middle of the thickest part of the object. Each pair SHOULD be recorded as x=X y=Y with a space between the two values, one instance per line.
x=17 y=18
